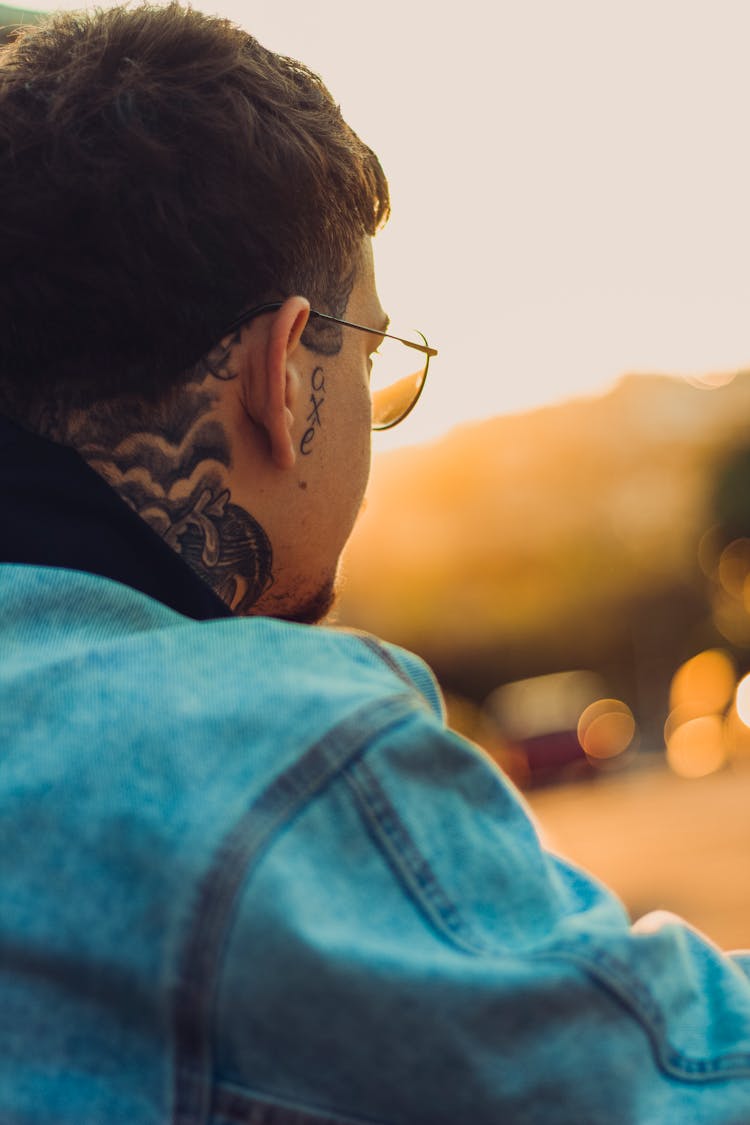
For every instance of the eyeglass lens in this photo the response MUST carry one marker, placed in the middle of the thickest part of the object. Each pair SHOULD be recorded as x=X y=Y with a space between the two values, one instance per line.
x=396 y=381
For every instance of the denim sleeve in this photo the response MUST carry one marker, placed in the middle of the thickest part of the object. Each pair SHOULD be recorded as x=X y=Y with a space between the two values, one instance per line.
x=404 y=951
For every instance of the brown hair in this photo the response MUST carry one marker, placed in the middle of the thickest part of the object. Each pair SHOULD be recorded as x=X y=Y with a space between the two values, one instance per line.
x=160 y=171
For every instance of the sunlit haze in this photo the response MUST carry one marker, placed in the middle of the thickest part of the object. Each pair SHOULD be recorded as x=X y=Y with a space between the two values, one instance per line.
x=570 y=185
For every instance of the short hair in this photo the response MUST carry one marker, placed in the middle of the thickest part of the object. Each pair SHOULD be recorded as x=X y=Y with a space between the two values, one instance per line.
x=160 y=172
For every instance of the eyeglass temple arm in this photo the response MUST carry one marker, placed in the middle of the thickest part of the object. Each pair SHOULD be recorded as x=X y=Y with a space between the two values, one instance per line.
x=271 y=306
x=424 y=348
x=246 y=317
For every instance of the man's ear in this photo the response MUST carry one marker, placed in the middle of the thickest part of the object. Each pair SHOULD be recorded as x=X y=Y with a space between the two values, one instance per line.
x=281 y=379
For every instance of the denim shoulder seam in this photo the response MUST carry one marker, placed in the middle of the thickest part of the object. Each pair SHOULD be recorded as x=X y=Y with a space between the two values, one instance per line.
x=610 y=974
x=217 y=891
x=412 y=869
x=382 y=652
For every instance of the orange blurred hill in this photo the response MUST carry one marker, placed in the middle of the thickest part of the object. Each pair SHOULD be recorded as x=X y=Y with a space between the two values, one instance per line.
x=564 y=537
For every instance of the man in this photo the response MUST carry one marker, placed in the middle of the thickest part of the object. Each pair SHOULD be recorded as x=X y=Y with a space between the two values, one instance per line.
x=246 y=873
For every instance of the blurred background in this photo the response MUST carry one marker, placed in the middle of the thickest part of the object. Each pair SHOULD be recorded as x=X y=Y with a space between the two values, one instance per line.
x=579 y=578
x=562 y=528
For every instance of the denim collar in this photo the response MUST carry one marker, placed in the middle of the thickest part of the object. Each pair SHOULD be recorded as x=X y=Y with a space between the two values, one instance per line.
x=58 y=512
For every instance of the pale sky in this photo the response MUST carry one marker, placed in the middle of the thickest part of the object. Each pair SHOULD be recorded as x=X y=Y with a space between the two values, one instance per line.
x=570 y=184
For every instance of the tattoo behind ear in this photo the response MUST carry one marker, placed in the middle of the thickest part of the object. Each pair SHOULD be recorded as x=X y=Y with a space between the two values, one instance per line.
x=314 y=420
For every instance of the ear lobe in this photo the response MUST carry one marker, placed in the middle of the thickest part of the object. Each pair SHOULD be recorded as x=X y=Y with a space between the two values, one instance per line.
x=283 y=340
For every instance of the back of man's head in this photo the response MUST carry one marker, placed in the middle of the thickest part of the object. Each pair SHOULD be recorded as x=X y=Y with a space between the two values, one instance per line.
x=160 y=171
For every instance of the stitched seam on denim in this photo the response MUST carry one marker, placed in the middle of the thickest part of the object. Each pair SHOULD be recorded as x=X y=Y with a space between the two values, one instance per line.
x=375 y=646
x=217 y=891
x=616 y=978
x=247 y=1108
x=405 y=858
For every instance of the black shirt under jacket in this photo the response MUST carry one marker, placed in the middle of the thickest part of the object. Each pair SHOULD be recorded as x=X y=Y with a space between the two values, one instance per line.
x=57 y=511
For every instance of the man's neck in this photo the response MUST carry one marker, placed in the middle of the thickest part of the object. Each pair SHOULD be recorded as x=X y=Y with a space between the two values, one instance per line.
x=169 y=462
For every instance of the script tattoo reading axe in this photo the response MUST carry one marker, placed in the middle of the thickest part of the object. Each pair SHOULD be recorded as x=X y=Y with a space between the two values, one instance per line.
x=317 y=398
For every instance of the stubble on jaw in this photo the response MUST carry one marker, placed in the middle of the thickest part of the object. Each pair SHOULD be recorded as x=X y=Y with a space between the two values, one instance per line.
x=310 y=610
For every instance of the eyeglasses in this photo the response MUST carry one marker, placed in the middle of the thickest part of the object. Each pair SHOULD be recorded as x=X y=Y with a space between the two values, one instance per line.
x=397 y=377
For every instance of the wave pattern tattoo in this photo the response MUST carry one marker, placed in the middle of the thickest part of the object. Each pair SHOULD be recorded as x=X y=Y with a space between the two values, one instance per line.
x=171 y=468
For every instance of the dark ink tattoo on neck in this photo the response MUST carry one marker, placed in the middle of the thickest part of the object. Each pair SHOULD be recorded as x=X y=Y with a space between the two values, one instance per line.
x=169 y=462
x=226 y=547
x=314 y=420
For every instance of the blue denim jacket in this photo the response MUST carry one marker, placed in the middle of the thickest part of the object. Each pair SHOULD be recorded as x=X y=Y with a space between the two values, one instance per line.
x=248 y=876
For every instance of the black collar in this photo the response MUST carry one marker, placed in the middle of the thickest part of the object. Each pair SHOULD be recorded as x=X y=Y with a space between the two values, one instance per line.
x=57 y=511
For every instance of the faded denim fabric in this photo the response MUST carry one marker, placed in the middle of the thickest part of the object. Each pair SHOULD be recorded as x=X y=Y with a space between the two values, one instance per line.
x=247 y=876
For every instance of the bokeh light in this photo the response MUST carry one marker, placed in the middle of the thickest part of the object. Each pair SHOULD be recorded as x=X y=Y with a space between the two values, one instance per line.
x=704 y=684
x=709 y=550
x=698 y=747
x=734 y=567
x=742 y=701
x=606 y=729
x=695 y=732
x=731 y=592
